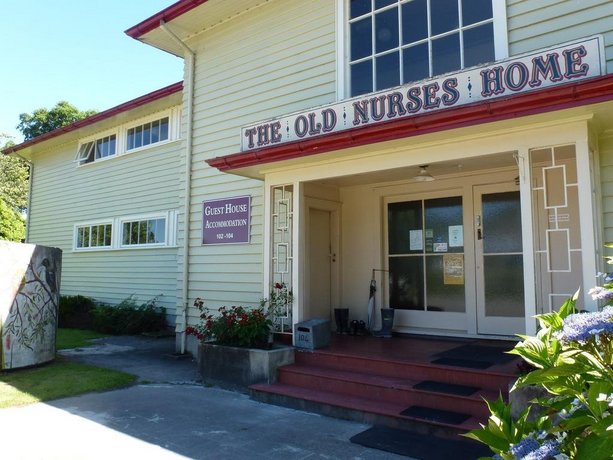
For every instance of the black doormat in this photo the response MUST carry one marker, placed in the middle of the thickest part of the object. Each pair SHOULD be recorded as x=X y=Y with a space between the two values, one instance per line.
x=475 y=352
x=447 y=388
x=462 y=363
x=435 y=415
x=416 y=445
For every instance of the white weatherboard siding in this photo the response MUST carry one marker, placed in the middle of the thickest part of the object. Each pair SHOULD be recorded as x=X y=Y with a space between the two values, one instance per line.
x=275 y=59
x=134 y=184
x=606 y=181
x=538 y=24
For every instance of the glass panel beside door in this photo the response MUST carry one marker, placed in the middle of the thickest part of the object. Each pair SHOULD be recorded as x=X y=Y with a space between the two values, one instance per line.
x=426 y=255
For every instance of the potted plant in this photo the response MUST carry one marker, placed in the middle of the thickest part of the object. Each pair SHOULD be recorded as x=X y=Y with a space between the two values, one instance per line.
x=235 y=349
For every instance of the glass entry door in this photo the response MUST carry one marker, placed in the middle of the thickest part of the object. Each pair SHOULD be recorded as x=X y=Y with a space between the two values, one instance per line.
x=499 y=260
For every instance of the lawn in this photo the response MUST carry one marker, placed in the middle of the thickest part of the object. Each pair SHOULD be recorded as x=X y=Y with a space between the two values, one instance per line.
x=58 y=379
x=75 y=338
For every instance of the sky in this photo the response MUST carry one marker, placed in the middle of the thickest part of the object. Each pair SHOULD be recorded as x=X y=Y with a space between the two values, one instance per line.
x=77 y=51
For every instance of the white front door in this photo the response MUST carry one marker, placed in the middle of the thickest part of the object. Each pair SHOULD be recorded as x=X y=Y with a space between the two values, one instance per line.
x=499 y=260
x=320 y=258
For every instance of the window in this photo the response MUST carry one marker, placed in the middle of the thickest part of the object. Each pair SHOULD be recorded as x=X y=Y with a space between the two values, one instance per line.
x=393 y=42
x=134 y=232
x=148 y=133
x=94 y=236
x=425 y=249
x=97 y=149
x=141 y=232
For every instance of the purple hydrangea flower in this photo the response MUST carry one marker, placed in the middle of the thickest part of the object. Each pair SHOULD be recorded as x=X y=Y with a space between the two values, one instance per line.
x=601 y=293
x=581 y=326
x=524 y=447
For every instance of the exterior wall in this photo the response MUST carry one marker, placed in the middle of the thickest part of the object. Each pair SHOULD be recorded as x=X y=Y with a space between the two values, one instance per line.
x=277 y=58
x=538 y=24
x=129 y=185
x=606 y=183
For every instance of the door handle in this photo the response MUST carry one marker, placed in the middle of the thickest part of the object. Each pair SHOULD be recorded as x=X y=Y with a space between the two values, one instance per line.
x=479 y=234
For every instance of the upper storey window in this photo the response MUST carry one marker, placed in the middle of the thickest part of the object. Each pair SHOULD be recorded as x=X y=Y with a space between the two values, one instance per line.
x=393 y=42
x=97 y=149
x=148 y=133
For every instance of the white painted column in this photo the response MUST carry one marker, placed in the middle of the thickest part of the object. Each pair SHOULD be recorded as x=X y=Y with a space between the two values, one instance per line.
x=298 y=252
x=587 y=220
x=525 y=192
x=267 y=238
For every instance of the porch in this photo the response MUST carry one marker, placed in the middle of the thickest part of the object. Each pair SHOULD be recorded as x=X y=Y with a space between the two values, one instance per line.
x=426 y=385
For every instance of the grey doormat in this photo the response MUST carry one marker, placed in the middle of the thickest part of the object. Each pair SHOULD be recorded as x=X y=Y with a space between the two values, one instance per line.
x=476 y=352
x=435 y=415
x=447 y=388
x=416 y=445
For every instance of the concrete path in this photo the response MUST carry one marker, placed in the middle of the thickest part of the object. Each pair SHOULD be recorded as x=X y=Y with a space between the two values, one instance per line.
x=169 y=415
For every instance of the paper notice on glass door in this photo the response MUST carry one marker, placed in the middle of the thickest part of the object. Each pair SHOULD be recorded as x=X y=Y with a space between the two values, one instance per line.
x=416 y=242
x=453 y=269
x=456 y=236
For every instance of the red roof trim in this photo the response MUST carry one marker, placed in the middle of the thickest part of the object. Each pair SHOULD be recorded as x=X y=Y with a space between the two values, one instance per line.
x=167 y=14
x=139 y=101
x=599 y=89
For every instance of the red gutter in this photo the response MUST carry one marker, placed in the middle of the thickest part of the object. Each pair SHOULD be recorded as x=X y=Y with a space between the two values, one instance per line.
x=599 y=89
x=139 y=101
x=167 y=14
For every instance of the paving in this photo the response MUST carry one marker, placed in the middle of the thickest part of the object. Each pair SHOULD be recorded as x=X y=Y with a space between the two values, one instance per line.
x=169 y=414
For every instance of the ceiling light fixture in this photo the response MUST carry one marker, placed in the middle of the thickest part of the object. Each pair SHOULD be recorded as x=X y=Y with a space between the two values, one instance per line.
x=424 y=175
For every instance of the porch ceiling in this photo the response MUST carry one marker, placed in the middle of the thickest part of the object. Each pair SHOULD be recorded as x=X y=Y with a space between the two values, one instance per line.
x=446 y=169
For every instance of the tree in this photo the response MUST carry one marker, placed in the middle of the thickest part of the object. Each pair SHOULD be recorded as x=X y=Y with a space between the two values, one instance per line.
x=42 y=120
x=12 y=225
x=14 y=175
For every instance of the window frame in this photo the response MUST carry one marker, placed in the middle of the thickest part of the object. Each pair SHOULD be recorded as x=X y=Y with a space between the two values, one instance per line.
x=343 y=31
x=91 y=224
x=140 y=218
x=121 y=135
x=172 y=129
x=170 y=230
x=93 y=140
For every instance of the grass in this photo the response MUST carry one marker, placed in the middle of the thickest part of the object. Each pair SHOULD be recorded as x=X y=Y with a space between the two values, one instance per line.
x=75 y=338
x=57 y=380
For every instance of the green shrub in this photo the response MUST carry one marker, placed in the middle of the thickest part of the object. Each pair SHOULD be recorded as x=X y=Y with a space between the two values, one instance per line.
x=75 y=312
x=129 y=317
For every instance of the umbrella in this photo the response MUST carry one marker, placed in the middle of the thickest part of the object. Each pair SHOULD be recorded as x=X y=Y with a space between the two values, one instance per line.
x=371 y=303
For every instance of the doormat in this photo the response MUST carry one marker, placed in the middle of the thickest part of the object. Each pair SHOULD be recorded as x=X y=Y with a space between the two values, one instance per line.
x=462 y=363
x=447 y=388
x=422 y=446
x=475 y=352
x=435 y=415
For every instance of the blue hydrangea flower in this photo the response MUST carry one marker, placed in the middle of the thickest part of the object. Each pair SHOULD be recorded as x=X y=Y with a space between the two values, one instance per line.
x=581 y=326
x=601 y=293
x=524 y=447
x=545 y=452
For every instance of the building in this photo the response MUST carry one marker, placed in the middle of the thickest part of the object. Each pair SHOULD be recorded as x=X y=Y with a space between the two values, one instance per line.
x=310 y=133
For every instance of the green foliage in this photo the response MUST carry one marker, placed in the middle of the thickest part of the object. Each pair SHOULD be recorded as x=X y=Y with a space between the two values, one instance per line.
x=59 y=379
x=43 y=120
x=235 y=326
x=74 y=338
x=572 y=354
x=14 y=175
x=12 y=225
x=75 y=312
x=129 y=317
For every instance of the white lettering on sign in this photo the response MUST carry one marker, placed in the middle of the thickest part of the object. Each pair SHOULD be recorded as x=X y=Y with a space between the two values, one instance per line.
x=550 y=67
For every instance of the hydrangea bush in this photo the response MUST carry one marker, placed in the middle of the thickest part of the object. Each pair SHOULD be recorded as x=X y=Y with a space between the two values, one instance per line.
x=572 y=354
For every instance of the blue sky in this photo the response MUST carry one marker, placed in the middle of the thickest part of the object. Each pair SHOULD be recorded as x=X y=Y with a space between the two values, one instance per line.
x=76 y=50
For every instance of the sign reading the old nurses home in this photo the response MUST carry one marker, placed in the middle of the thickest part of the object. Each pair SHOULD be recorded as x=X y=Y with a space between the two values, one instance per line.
x=554 y=66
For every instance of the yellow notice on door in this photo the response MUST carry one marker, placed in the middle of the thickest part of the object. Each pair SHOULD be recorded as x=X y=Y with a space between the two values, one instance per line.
x=453 y=269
